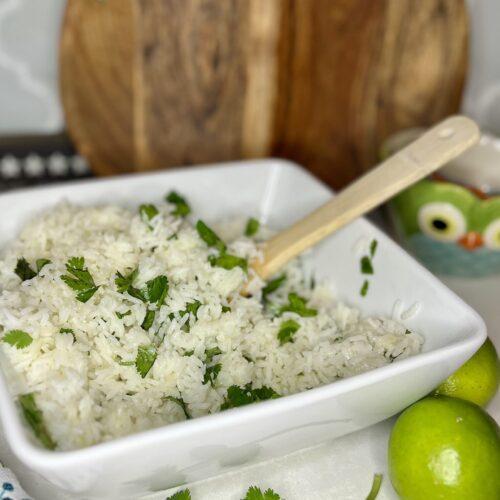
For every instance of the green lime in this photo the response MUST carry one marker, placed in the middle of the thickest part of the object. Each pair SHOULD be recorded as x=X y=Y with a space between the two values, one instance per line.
x=445 y=448
x=477 y=380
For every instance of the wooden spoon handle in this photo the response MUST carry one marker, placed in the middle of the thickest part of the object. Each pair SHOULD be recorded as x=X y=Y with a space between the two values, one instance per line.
x=439 y=145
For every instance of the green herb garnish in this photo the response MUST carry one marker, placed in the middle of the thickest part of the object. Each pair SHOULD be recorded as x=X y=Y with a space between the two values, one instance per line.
x=123 y=283
x=68 y=330
x=148 y=213
x=226 y=309
x=79 y=279
x=366 y=265
x=148 y=321
x=180 y=402
x=255 y=493
x=157 y=290
x=211 y=373
x=120 y=361
x=228 y=262
x=272 y=286
x=23 y=270
x=34 y=417
x=377 y=482
x=182 y=209
x=180 y=495
x=17 y=339
x=297 y=305
x=146 y=356
x=373 y=248
x=209 y=237
x=120 y=315
x=364 y=288
x=286 y=331
x=211 y=353
x=240 y=396
x=41 y=263
x=252 y=227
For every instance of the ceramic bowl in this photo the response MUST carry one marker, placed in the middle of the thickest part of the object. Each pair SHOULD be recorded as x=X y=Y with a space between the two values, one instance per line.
x=279 y=193
x=451 y=221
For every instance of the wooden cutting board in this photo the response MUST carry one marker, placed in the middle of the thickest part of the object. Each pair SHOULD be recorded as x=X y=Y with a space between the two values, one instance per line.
x=150 y=84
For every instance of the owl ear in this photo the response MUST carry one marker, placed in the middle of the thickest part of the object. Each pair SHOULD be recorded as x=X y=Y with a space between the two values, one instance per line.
x=474 y=190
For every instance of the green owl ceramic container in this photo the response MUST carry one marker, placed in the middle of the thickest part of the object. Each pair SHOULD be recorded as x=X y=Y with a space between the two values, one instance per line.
x=451 y=221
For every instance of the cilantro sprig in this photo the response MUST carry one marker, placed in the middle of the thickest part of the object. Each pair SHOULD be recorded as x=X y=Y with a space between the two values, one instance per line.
x=24 y=270
x=297 y=305
x=34 y=417
x=366 y=267
x=286 y=331
x=155 y=291
x=180 y=402
x=272 y=286
x=255 y=493
x=240 y=396
x=146 y=356
x=223 y=259
x=147 y=213
x=18 y=339
x=180 y=495
x=182 y=209
x=252 y=227
x=377 y=483
x=79 y=279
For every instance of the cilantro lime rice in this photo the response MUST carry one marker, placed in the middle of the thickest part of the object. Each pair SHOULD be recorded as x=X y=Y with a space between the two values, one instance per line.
x=113 y=321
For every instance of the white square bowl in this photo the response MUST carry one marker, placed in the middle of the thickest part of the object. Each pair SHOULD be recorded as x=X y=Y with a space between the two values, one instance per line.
x=279 y=193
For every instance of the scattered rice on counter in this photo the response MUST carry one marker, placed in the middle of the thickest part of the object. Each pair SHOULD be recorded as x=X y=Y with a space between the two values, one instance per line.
x=112 y=354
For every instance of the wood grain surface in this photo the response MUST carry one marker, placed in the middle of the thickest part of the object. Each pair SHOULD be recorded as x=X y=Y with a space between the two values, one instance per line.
x=151 y=84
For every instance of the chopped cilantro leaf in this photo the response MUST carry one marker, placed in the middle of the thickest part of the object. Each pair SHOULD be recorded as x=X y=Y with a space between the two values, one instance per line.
x=41 y=263
x=68 y=330
x=34 y=417
x=286 y=331
x=126 y=363
x=229 y=262
x=377 y=482
x=366 y=265
x=157 y=290
x=407 y=332
x=209 y=237
x=240 y=396
x=211 y=353
x=148 y=321
x=364 y=288
x=188 y=353
x=182 y=209
x=138 y=294
x=120 y=315
x=146 y=356
x=252 y=227
x=272 y=286
x=17 y=339
x=79 y=279
x=255 y=493
x=192 y=307
x=180 y=495
x=23 y=270
x=373 y=248
x=148 y=213
x=297 y=305
x=180 y=402
x=123 y=283
x=211 y=373
x=226 y=309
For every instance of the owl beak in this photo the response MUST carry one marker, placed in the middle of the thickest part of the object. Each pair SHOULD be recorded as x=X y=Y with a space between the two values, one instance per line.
x=471 y=241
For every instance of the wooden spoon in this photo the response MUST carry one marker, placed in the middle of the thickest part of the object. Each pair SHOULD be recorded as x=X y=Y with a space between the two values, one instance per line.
x=432 y=150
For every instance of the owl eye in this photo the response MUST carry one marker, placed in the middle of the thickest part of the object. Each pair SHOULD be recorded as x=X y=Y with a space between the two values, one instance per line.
x=491 y=235
x=442 y=221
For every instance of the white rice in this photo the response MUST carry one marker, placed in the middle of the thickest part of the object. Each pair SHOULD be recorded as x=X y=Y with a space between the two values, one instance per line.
x=87 y=397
